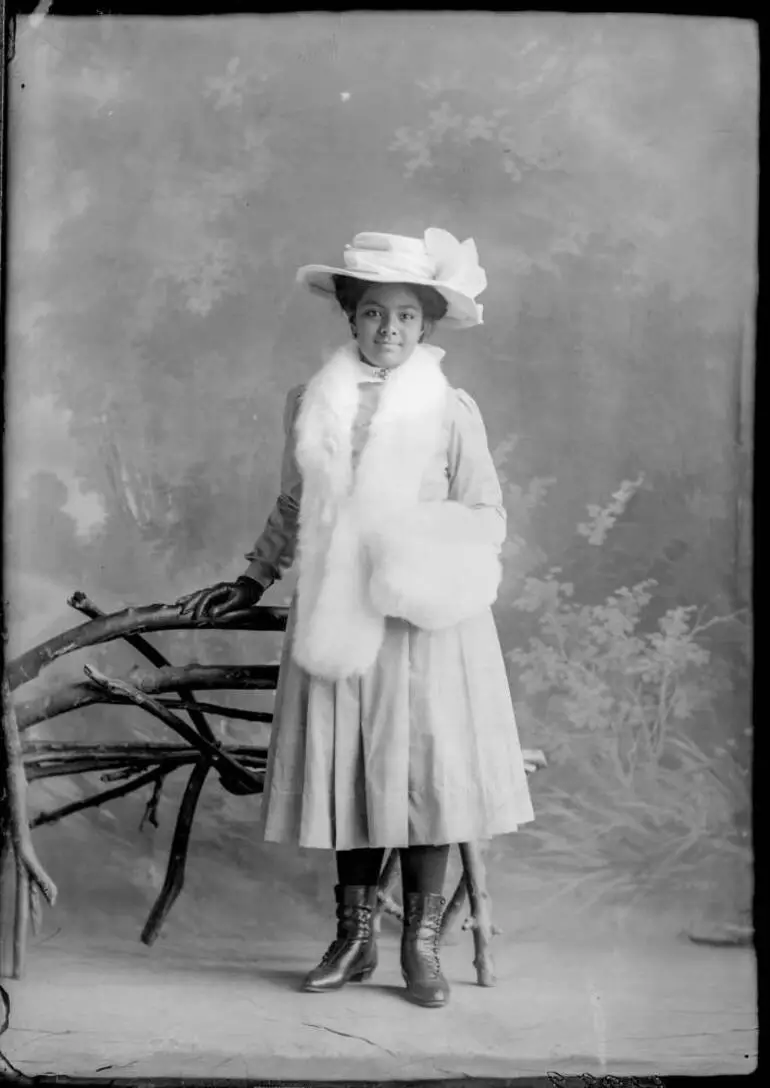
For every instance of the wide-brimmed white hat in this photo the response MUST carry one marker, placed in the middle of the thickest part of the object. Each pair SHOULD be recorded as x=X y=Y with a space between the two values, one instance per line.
x=437 y=260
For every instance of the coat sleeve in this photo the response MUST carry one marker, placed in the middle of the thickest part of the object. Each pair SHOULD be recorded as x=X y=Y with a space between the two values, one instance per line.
x=473 y=479
x=274 y=550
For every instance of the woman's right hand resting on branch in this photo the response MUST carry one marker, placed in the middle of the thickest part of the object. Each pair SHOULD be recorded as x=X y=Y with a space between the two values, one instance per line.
x=221 y=599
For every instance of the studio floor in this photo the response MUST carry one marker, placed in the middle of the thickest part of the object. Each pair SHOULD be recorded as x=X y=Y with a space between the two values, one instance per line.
x=219 y=1010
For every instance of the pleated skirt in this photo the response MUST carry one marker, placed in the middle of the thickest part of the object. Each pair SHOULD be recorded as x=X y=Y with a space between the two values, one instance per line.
x=421 y=750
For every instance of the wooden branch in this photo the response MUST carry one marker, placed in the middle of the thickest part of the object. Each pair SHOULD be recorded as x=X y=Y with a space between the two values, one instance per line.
x=481 y=924
x=134 y=621
x=128 y=770
x=113 y=768
x=175 y=872
x=150 y=814
x=260 y=766
x=23 y=894
x=386 y=904
x=454 y=907
x=38 y=750
x=75 y=695
x=95 y=696
x=81 y=603
x=6 y=1003
x=30 y=873
x=222 y=760
x=534 y=759
x=101 y=798
x=90 y=766
x=7 y=859
x=234 y=712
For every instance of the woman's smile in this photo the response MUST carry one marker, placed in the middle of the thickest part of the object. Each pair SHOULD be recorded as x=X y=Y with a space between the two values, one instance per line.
x=389 y=324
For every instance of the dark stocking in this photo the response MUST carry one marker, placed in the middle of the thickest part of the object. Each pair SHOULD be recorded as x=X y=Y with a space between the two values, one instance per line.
x=423 y=869
x=359 y=868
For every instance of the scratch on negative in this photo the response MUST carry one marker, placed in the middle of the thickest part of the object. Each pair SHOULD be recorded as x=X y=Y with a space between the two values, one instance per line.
x=347 y=1035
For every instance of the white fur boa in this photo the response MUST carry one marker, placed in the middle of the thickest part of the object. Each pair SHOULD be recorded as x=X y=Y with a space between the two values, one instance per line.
x=367 y=547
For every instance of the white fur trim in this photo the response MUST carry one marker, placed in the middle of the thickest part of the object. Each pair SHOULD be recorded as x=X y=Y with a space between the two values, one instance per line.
x=434 y=567
x=339 y=631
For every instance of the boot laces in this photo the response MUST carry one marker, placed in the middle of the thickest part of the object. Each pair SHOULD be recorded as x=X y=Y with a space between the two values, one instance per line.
x=431 y=946
x=352 y=925
x=331 y=952
x=427 y=930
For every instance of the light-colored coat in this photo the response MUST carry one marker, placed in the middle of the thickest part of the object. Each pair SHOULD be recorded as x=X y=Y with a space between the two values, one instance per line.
x=393 y=719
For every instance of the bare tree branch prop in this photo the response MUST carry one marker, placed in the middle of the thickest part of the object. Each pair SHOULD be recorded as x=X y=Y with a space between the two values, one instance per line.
x=386 y=904
x=241 y=768
x=481 y=918
x=217 y=709
x=23 y=894
x=534 y=759
x=7 y=860
x=129 y=770
x=117 y=768
x=221 y=759
x=150 y=814
x=234 y=712
x=68 y=768
x=177 y=862
x=30 y=874
x=455 y=907
x=37 y=751
x=98 y=799
x=75 y=695
x=81 y=603
x=133 y=621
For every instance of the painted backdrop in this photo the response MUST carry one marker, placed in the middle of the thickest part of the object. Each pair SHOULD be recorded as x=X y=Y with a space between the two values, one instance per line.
x=167 y=178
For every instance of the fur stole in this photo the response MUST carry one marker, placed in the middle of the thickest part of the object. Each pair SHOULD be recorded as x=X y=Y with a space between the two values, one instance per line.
x=367 y=547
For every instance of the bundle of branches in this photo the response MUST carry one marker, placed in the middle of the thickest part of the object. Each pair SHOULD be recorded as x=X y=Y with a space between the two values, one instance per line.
x=241 y=769
x=134 y=765
x=46 y=759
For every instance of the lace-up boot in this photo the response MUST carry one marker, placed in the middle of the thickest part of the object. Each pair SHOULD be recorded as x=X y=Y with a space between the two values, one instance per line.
x=420 y=966
x=352 y=955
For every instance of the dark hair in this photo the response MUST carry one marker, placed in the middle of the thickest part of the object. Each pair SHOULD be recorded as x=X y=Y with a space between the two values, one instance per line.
x=349 y=292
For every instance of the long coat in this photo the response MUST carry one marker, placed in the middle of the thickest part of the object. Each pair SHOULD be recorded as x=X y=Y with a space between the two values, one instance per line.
x=423 y=748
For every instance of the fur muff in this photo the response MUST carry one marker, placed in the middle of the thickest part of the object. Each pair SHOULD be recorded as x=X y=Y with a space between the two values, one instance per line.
x=434 y=568
x=367 y=548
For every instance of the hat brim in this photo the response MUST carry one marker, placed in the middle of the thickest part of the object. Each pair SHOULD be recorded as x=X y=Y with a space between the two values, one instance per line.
x=462 y=311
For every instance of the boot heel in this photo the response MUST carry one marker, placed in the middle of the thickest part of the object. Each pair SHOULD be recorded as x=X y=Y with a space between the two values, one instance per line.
x=362 y=976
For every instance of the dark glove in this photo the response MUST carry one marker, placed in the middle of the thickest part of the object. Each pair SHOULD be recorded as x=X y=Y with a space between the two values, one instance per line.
x=220 y=600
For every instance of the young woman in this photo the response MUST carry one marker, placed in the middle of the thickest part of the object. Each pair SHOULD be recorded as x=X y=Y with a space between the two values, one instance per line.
x=393 y=723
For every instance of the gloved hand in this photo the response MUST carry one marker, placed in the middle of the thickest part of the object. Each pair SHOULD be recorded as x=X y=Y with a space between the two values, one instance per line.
x=219 y=600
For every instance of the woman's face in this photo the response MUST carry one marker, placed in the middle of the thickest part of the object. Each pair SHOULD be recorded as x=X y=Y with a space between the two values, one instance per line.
x=389 y=324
